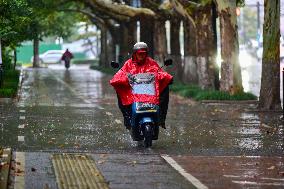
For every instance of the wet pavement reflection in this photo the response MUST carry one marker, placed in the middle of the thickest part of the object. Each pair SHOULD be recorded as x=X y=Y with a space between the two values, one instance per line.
x=76 y=111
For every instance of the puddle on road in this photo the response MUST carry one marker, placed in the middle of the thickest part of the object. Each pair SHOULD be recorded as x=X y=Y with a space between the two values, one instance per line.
x=66 y=122
x=254 y=134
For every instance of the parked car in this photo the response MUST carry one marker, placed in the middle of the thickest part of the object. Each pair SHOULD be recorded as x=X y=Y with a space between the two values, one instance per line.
x=50 y=56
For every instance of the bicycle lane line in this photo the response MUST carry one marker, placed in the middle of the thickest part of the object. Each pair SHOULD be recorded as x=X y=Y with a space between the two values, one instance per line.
x=188 y=176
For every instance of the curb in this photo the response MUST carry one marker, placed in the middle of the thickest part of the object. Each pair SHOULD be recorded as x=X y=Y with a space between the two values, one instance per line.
x=6 y=100
x=5 y=160
x=229 y=101
x=20 y=85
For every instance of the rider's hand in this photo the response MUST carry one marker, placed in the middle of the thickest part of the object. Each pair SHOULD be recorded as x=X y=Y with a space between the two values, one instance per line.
x=131 y=78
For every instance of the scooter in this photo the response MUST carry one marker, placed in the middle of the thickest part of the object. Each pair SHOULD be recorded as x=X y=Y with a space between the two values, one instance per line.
x=67 y=64
x=145 y=116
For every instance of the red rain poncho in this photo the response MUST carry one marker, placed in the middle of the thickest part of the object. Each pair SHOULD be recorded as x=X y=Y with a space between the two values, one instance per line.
x=123 y=88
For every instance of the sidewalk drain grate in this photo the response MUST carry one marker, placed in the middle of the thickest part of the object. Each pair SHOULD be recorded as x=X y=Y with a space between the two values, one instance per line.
x=77 y=171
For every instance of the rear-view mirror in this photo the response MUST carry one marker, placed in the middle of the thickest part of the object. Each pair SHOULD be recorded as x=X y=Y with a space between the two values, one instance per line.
x=114 y=64
x=168 y=62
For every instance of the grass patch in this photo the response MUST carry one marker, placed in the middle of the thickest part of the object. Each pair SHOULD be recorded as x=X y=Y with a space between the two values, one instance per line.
x=85 y=61
x=195 y=92
x=10 y=83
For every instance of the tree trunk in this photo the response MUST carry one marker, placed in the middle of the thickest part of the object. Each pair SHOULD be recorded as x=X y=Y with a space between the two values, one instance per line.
x=127 y=40
x=190 y=67
x=36 y=53
x=104 y=49
x=1 y=62
x=115 y=40
x=231 y=80
x=175 y=48
x=206 y=50
x=110 y=55
x=15 y=58
x=160 y=41
x=215 y=45
x=146 y=33
x=269 y=98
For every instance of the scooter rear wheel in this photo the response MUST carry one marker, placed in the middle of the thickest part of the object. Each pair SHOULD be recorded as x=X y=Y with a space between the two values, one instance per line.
x=148 y=133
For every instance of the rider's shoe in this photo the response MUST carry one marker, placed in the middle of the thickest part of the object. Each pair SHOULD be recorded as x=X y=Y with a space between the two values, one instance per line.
x=162 y=124
x=127 y=123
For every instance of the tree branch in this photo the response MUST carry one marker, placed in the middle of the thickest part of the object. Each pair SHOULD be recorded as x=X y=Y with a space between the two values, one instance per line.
x=179 y=8
x=93 y=17
x=117 y=11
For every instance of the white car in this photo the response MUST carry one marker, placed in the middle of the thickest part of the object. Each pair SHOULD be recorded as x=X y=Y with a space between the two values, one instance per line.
x=50 y=56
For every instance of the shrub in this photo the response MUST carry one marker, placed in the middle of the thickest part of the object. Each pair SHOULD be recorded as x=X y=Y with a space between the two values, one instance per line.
x=10 y=83
x=7 y=92
x=195 y=92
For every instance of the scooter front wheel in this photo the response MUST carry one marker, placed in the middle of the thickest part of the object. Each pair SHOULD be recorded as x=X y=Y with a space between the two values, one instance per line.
x=148 y=133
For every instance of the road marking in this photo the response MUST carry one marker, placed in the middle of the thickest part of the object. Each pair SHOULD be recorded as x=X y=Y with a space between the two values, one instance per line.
x=21 y=126
x=22 y=111
x=20 y=171
x=118 y=121
x=231 y=176
x=108 y=113
x=21 y=138
x=22 y=117
x=276 y=179
x=263 y=178
x=257 y=184
x=21 y=105
x=188 y=176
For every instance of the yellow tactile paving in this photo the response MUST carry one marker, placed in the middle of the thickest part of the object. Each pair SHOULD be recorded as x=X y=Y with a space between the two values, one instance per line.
x=77 y=171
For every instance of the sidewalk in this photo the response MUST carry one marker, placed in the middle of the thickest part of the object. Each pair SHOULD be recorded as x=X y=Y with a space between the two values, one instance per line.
x=5 y=161
x=76 y=112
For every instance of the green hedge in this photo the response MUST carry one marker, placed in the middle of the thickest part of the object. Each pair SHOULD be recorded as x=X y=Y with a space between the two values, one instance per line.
x=10 y=83
x=195 y=92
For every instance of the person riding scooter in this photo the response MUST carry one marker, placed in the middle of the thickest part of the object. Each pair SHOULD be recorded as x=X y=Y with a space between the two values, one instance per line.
x=66 y=57
x=140 y=62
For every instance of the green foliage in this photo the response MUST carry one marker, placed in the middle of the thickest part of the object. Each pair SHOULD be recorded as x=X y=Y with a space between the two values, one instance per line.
x=195 y=92
x=22 y=20
x=12 y=75
x=10 y=84
x=7 y=92
x=7 y=58
x=92 y=62
x=48 y=20
x=240 y=3
x=14 y=19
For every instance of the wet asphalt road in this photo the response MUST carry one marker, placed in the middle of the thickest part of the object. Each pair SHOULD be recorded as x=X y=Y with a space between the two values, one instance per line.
x=76 y=111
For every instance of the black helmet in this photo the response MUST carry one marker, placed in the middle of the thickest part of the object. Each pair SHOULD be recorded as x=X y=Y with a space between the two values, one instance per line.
x=140 y=46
